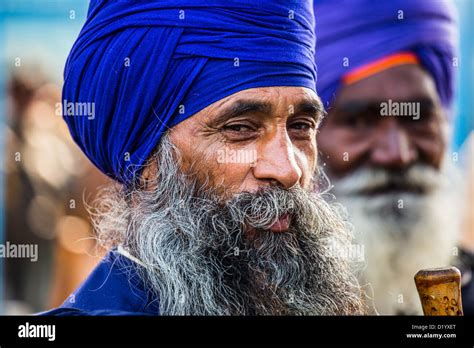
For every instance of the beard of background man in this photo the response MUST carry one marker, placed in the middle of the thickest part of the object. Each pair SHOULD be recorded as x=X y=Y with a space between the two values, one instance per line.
x=402 y=230
x=198 y=259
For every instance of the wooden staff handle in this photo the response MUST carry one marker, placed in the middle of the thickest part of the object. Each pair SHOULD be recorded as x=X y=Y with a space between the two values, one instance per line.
x=440 y=291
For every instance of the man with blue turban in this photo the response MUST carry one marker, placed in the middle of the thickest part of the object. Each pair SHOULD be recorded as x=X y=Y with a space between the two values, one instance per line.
x=386 y=77
x=205 y=114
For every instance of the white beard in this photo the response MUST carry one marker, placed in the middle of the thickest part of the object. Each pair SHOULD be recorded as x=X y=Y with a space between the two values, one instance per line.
x=198 y=260
x=397 y=241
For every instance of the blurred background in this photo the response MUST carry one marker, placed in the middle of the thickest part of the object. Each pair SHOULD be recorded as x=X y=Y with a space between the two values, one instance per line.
x=45 y=179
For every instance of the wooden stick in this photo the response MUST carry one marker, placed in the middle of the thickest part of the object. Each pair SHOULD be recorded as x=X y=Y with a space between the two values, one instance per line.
x=440 y=291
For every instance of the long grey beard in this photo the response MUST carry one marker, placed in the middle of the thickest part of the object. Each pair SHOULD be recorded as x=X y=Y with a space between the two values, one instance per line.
x=198 y=260
x=401 y=232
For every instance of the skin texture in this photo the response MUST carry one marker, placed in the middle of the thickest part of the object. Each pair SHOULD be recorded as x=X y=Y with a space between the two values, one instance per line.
x=274 y=126
x=226 y=236
x=351 y=136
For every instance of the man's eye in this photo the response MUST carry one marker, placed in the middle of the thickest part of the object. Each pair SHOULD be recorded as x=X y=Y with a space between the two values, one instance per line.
x=301 y=126
x=357 y=121
x=354 y=121
x=238 y=128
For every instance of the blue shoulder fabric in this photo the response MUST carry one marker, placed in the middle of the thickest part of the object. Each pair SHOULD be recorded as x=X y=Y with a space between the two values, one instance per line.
x=74 y=312
x=113 y=288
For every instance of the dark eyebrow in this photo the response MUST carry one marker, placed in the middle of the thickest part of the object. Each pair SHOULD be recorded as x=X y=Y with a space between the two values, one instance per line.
x=357 y=106
x=312 y=108
x=241 y=107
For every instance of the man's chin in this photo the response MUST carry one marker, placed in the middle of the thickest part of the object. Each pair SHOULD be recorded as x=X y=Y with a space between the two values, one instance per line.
x=403 y=232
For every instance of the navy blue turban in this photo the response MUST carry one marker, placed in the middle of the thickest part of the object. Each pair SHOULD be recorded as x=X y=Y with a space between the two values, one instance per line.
x=148 y=65
x=353 y=33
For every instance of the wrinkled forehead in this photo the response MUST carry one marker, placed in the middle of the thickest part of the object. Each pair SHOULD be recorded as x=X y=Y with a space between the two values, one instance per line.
x=407 y=82
x=272 y=101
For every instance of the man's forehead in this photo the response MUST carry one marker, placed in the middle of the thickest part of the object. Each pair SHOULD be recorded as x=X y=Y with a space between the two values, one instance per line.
x=409 y=82
x=270 y=99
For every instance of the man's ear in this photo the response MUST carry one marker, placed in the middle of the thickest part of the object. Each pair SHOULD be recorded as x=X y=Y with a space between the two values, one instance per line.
x=148 y=177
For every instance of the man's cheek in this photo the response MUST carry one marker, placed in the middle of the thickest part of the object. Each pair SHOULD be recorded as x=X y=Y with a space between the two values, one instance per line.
x=341 y=150
x=234 y=178
x=216 y=167
x=307 y=159
x=328 y=149
x=431 y=151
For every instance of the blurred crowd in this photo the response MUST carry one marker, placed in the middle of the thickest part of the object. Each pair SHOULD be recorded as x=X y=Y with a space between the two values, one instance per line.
x=47 y=182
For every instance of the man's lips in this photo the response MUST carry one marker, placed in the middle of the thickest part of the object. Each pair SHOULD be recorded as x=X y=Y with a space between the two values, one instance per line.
x=282 y=224
x=279 y=226
x=393 y=187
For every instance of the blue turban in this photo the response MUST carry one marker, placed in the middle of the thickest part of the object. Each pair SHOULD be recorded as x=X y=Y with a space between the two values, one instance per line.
x=148 y=65
x=358 y=32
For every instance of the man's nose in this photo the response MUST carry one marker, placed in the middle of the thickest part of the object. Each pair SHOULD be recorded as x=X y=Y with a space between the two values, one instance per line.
x=392 y=147
x=276 y=161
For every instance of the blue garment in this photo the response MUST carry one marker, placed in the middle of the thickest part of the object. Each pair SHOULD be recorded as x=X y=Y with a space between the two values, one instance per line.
x=352 y=33
x=465 y=263
x=113 y=288
x=145 y=66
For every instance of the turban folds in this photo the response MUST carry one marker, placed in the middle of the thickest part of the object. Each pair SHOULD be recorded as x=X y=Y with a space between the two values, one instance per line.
x=148 y=65
x=354 y=33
